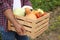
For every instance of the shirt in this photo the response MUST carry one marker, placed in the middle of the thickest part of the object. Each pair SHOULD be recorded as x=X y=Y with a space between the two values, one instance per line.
x=8 y=4
x=16 y=4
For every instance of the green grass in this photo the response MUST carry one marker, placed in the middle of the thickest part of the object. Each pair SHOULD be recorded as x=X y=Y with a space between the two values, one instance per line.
x=46 y=5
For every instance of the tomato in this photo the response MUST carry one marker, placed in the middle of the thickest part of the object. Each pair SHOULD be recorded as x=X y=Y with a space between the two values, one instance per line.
x=38 y=15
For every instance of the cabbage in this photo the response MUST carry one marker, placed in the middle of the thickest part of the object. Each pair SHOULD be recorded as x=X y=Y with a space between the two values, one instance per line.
x=19 y=12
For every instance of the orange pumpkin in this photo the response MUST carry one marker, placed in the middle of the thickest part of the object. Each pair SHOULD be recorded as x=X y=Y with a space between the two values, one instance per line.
x=27 y=11
x=31 y=16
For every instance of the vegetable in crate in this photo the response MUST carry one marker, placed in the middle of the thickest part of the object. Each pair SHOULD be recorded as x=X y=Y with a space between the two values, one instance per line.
x=31 y=16
x=27 y=11
x=19 y=12
x=37 y=14
x=34 y=14
x=40 y=13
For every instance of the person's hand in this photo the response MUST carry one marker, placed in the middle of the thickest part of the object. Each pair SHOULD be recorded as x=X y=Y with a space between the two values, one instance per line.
x=20 y=29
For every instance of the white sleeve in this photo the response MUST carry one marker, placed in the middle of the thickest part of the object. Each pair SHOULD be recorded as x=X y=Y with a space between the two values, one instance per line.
x=27 y=7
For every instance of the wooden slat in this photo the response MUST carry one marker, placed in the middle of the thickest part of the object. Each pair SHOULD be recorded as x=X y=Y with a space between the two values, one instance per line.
x=39 y=33
x=12 y=28
x=42 y=22
x=42 y=30
x=29 y=29
x=21 y=22
x=25 y=19
x=27 y=24
x=35 y=30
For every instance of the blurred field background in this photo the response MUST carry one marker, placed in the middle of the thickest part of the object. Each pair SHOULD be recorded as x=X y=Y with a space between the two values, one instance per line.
x=53 y=7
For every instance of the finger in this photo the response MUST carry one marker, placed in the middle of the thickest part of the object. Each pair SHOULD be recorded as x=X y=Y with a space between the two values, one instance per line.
x=24 y=31
x=21 y=32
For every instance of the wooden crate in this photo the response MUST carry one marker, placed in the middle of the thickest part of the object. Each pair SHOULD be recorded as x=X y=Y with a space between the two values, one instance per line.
x=33 y=27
